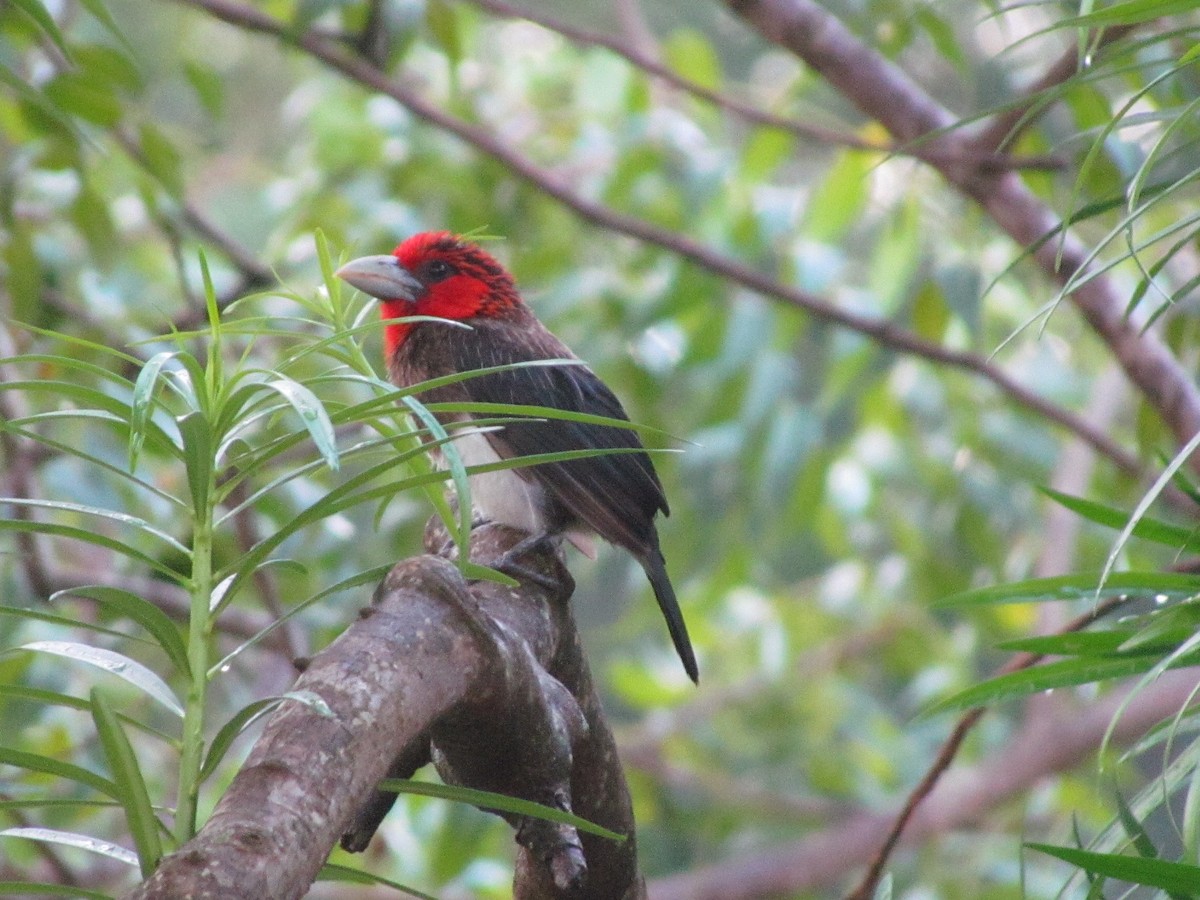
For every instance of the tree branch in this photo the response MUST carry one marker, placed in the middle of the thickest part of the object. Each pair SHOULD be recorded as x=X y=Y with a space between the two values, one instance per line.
x=884 y=332
x=884 y=92
x=490 y=681
x=824 y=858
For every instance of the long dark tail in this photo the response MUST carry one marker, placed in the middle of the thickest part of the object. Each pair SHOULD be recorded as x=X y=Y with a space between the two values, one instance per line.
x=656 y=571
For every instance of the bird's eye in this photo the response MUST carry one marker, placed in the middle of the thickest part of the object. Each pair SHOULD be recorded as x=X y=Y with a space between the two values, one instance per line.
x=437 y=269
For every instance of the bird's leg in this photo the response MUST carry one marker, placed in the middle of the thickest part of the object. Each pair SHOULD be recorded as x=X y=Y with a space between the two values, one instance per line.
x=509 y=565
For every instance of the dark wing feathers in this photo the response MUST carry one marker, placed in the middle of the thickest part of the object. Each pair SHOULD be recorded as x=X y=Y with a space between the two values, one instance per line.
x=617 y=495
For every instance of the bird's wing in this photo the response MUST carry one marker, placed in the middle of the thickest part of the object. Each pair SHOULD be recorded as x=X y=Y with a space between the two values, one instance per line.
x=617 y=494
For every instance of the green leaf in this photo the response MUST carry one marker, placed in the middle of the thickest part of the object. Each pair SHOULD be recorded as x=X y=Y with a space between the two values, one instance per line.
x=52 y=698
x=490 y=801
x=312 y=413
x=131 y=786
x=358 y=579
x=36 y=11
x=71 y=839
x=90 y=537
x=765 y=151
x=334 y=872
x=143 y=395
x=1130 y=12
x=110 y=661
x=692 y=56
x=21 y=888
x=229 y=732
x=1167 y=876
x=36 y=615
x=1113 y=517
x=161 y=159
x=109 y=514
x=442 y=20
x=141 y=611
x=197 y=446
x=1081 y=586
x=839 y=200
x=209 y=87
x=104 y=17
x=1064 y=673
x=35 y=762
x=1079 y=643
x=78 y=95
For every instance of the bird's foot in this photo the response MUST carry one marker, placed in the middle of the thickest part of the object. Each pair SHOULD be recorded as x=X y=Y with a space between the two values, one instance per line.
x=509 y=565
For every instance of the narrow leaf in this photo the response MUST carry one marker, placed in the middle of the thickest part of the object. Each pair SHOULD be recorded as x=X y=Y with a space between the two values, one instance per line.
x=141 y=611
x=1168 y=876
x=121 y=666
x=334 y=872
x=502 y=802
x=143 y=395
x=123 y=763
x=71 y=839
x=312 y=413
x=35 y=762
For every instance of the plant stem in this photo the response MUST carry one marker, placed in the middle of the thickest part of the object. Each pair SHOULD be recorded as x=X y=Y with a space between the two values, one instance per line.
x=199 y=626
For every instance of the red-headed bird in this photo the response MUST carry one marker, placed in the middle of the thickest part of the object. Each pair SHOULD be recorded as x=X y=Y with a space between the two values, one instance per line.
x=616 y=496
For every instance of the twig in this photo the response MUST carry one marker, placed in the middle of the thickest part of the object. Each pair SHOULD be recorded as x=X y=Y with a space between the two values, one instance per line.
x=884 y=332
x=866 y=888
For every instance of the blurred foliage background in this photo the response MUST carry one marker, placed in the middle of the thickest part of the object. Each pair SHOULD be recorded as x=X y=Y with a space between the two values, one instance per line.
x=830 y=490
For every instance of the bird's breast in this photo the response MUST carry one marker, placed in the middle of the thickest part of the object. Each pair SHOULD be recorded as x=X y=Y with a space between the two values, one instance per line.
x=503 y=495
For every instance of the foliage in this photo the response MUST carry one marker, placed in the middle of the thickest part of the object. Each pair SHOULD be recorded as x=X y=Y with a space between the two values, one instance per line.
x=189 y=411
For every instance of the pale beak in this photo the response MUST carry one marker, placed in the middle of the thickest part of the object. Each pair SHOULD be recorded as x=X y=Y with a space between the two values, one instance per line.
x=382 y=277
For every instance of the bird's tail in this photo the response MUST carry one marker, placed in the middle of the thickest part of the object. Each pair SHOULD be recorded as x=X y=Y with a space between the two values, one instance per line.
x=656 y=571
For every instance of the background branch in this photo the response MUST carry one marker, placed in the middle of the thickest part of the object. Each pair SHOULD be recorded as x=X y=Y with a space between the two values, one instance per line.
x=884 y=332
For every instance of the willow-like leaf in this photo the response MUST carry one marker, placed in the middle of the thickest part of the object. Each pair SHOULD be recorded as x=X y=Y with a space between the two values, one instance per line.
x=368 y=576
x=1081 y=586
x=131 y=785
x=1172 y=877
x=312 y=413
x=143 y=612
x=1062 y=673
x=502 y=802
x=111 y=515
x=1113 y=517
x=110 y=661
x=348 y=875
x=143 y=400
x=36 y=762
x=91 y=537
x=72 y=839
x=53 y=698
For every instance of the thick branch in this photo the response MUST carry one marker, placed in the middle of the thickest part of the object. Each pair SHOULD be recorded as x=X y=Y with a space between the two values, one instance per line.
x=432 y=666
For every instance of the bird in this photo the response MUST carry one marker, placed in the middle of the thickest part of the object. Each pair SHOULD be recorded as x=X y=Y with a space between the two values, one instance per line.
x=617 y=496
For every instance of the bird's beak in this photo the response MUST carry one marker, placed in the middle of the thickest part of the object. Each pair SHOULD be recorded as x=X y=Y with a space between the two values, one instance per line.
x=382 y=277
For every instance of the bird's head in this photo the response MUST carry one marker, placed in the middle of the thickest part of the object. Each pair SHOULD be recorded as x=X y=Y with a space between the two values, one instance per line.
x=433 y=274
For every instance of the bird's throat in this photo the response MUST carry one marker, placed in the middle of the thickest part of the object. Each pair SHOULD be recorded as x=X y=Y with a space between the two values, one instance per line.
x=394 y=333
